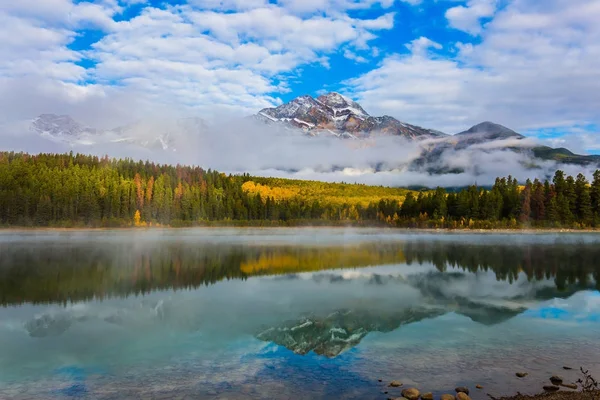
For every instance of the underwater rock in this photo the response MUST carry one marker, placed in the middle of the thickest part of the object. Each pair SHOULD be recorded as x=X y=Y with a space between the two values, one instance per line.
x=551 y=388
x=462 y=389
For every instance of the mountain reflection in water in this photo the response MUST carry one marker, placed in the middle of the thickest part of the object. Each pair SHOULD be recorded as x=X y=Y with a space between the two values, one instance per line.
x=57 y=272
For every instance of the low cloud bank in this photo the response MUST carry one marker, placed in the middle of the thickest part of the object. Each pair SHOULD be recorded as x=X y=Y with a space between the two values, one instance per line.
x=248 y=146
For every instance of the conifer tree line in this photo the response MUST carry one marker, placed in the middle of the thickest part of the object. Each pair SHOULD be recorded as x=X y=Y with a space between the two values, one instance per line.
x=82 y=190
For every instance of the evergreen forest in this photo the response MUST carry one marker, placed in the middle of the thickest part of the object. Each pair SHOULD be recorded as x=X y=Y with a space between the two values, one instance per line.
x=75 y=190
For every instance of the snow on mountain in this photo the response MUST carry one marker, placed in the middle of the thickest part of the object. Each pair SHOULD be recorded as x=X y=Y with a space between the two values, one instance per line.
x=152 y=134
x=340 y=116
x=63 y=128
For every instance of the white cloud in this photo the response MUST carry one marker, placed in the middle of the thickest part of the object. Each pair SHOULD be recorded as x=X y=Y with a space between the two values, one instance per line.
x=350 y=55
x=194 y=57
x=468 y=18
x=421 y=45
x=331 y=6
x=64 y=13
x=535 y=67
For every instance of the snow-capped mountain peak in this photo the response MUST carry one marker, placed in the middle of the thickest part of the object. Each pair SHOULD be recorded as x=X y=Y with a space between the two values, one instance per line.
x=60 y=126
x=342 y=105
x=338 y=115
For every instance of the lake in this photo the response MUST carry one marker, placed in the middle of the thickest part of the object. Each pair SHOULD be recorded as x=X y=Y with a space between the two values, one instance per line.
x=292 y=313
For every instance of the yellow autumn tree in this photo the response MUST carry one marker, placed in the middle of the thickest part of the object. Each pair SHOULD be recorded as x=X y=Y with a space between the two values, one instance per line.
x=137 y=218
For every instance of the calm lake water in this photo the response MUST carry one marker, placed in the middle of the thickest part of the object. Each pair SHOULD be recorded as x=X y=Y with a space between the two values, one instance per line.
x=292 y=313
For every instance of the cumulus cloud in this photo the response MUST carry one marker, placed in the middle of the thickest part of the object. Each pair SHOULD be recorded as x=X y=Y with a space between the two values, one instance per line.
x=535 y=67
x=468 y=18
x=205 y=57
x=421 y=45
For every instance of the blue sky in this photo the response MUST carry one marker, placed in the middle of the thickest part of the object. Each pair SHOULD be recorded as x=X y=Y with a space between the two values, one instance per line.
x=442 y=64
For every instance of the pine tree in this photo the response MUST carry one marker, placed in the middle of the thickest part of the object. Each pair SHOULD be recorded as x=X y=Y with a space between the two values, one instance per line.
x=595 y=195
x=525 y=213
x=583 y=201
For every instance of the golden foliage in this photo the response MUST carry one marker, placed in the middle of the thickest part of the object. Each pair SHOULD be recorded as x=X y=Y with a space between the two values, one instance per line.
x=324 y=192
x=285 y=261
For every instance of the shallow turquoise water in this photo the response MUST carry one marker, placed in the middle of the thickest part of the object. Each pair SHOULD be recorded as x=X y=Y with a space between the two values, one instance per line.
x=292 y=313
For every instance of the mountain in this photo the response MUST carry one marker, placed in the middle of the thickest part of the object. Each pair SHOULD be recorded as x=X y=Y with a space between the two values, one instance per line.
x=165 y=134
x=62 y=128
x=333 y=115
x=490 y=131
x=564 y=156
x=339 y=116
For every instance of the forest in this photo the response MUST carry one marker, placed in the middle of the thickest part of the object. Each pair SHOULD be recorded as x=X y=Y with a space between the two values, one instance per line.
x=108 y=269
x=75 y=190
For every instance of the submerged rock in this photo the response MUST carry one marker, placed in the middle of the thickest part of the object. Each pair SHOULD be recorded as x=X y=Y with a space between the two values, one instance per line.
x=556 y=380
x=427 y=396
x=447 y=397
x=551 y=388
x=570 y=386
x=462 y=389
x=567 y=368
x=479 y=386
x=395 y=384
x=521 y=374
x=411 y=394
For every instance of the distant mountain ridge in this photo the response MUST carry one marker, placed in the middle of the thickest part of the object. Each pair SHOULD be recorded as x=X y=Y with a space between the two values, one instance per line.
x=333 y=115
x=164 y=134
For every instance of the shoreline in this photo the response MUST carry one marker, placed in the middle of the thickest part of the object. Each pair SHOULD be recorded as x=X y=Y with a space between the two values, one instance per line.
x=560 y=395
x=524 y=231
x=584 y=387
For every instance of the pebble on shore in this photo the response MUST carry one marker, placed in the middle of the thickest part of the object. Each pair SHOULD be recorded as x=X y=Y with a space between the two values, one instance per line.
x=411 y=394
x=462 y=396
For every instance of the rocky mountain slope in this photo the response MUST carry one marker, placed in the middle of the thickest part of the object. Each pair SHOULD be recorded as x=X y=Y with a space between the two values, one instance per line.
x=337 y=115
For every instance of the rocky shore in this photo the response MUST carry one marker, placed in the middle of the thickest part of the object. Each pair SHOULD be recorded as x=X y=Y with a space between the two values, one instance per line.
x=557 y=388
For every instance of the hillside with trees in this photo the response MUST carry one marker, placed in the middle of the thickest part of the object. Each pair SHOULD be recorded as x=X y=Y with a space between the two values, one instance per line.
x=67 y=190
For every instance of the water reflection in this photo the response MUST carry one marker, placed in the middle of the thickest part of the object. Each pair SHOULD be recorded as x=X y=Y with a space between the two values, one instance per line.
x=240 y=316
x=59 y=272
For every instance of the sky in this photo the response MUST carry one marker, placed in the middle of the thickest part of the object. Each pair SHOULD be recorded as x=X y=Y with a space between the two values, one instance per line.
x=530 y=65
